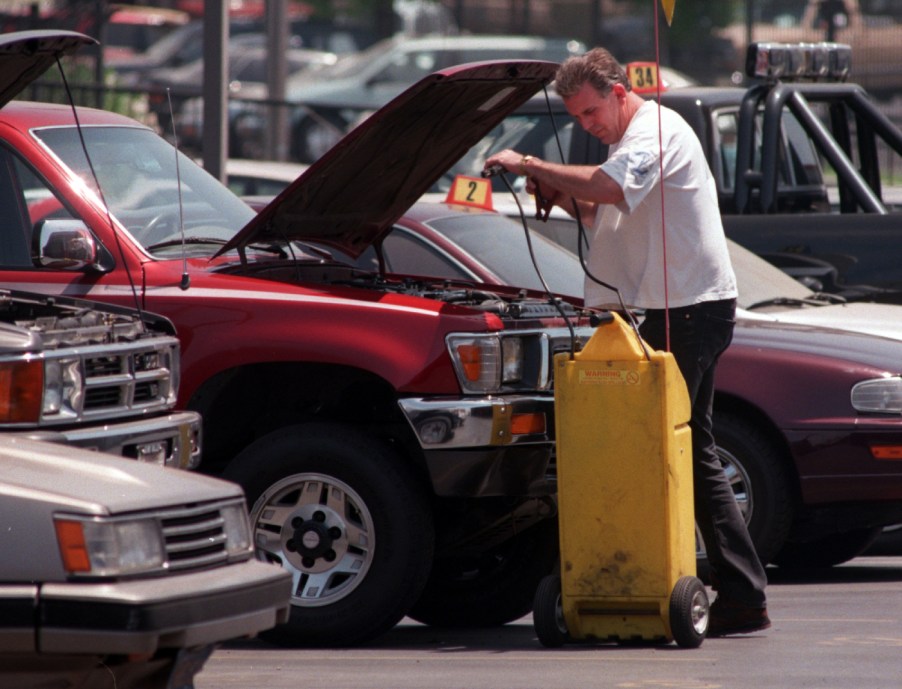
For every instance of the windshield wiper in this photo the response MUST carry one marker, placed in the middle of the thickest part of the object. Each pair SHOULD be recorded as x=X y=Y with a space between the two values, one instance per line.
x=270 y=248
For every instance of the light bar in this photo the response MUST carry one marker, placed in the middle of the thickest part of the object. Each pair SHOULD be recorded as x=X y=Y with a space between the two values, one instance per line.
x=799 y=61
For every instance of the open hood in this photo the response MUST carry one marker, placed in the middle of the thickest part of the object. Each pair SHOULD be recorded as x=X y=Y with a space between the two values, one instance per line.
x=26 y=55
x=351 y=196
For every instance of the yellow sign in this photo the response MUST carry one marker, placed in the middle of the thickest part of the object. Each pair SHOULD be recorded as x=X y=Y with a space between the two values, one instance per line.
x=471 y=191
x=668 y=6
x=643 y=76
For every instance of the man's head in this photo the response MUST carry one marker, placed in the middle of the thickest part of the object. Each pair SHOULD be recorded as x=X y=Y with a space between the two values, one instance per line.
x=598 y=68
x=597 y=92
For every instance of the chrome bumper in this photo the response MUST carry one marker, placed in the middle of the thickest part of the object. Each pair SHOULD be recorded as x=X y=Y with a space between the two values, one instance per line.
x=171 y=439
x=465 y=422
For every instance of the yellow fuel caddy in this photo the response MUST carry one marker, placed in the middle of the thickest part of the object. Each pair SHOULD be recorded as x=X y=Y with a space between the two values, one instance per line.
x=627 y=529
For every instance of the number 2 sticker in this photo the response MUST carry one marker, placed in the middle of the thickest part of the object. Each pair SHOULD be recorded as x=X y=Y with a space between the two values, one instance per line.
x=470 y=191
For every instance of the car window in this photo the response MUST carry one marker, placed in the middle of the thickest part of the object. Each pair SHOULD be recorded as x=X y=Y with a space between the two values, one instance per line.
x=410 y=255
x=499 y=243
x=25 y=200
x=725 y=127
x=410 y=67
x=143 y=186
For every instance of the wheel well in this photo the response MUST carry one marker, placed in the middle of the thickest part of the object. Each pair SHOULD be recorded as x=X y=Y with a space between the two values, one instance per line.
x=242 y=404
x=727 y=404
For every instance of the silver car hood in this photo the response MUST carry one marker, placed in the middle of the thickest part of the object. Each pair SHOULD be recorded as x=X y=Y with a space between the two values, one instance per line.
x=97 y=483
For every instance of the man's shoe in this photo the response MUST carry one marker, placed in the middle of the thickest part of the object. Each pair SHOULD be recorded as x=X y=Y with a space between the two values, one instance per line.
x=727 y=617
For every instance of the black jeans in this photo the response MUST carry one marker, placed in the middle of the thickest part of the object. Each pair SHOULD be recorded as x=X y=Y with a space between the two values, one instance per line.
x=698 y=336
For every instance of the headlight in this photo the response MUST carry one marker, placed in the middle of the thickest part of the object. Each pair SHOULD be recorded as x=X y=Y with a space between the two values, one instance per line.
x=236 y=526
x=485 y=363
x=109 y=548
x=64 y=386
x=880 y=395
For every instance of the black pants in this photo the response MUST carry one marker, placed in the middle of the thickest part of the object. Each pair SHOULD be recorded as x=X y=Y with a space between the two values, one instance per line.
x=698 y=336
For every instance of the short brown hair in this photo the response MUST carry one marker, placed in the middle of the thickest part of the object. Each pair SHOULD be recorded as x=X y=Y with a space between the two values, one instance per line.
x=597 y=67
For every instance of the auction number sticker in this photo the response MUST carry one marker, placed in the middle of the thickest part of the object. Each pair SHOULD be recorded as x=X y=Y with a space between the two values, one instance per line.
x=643 y=76
x=470 y=191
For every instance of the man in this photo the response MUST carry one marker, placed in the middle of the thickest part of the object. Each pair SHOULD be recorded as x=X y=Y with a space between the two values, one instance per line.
x=662 y=245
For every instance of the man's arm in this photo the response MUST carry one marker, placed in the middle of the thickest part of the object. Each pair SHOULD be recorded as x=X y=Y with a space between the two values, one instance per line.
x=588 y=184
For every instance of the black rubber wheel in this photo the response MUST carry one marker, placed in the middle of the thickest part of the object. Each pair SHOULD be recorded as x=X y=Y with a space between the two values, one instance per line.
x=492 y=589
x=828 y=551
x=548 y=613
x=760 y=482
x=689 y=608
x=338 y=510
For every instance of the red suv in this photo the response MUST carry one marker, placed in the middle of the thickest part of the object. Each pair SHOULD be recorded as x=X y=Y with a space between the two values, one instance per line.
x=394 y=437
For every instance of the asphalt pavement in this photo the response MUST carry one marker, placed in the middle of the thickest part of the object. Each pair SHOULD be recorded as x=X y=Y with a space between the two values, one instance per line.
x=839 y=628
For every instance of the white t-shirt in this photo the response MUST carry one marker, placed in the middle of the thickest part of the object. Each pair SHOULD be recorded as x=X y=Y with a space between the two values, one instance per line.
x=626 y=245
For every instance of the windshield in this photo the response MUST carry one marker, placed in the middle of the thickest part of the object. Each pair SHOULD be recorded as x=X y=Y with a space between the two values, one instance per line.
x=499 y=243
x=136 y=170
x=760 y=282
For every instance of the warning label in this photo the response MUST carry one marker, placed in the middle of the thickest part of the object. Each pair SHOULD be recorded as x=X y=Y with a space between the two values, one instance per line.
x=609 y=376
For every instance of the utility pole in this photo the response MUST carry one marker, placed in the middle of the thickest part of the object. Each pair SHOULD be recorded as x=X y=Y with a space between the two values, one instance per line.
x=215 y=144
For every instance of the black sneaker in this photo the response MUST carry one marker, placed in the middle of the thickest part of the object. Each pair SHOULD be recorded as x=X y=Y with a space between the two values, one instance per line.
x=728 y=617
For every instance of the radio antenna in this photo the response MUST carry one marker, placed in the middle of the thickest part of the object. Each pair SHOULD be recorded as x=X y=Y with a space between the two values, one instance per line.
x=186 y=279
x=100 y=194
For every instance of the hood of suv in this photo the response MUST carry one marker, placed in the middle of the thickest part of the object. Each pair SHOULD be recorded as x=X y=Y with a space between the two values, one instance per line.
x=26 y=55
x=351 y=196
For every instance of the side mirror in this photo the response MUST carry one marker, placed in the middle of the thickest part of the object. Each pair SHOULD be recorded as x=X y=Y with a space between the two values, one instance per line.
x=64 y=244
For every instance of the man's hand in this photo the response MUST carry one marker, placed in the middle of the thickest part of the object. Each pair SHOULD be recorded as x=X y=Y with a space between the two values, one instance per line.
x=508 y=159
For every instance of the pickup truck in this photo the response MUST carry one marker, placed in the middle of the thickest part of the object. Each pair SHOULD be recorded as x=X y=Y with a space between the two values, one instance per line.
x=799 y=159
x=394 y=437
x=93 y=376
x=133 y=572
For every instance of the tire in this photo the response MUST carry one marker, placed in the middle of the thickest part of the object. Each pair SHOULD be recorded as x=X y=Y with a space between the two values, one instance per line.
x=337 y=509
x=548 y=613
x=760 y=482
x=493 y=589
x=827 y=551
x=689 y=608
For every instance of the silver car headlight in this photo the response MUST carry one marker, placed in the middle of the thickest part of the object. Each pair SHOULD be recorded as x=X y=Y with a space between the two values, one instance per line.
x=237 y=528
x=100 y=547
x=878 y=395
x=63 y=387
x=485 y=363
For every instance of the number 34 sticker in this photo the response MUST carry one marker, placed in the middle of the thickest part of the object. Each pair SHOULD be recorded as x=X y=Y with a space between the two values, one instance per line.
x=643 y=76
x=470 y=191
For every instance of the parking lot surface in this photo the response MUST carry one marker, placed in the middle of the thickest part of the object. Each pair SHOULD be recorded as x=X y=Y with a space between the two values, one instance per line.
x=839 y=628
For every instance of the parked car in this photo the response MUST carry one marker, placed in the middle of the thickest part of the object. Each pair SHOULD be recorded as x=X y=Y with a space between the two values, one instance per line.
x=260 y=180
x=181 y=87
x=325 y=104
x=870 y=28
x=131 y=29
x=117 y=573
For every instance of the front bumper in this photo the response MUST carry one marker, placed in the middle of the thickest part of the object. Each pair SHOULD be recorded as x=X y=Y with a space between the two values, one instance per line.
x=172 y=440
x=178 y=611
x=486 y=446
